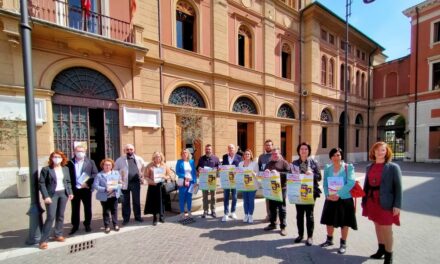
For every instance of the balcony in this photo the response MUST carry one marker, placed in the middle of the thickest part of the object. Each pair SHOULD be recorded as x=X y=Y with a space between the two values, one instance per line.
x=75 y=17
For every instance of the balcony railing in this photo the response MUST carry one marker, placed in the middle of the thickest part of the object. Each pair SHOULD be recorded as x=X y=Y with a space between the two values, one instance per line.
x=71 y=16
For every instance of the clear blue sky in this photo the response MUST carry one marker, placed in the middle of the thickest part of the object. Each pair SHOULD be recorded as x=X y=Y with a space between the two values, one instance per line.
x=381 y=20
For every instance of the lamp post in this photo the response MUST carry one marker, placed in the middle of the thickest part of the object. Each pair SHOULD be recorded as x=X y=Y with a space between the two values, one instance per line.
x=35 y=210
x=346 y=80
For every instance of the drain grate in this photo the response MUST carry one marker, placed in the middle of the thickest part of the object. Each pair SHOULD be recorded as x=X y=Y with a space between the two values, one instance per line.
x=82 y=246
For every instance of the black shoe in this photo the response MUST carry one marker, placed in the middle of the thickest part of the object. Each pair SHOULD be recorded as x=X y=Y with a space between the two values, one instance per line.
x=270 y=227
x=205 y=213
x=309 y=241
x=327 y=243
x=88 y=229
x=343 y=247
x=125 y=222
x=380 y=252
x=388 y=258
x=73 y=231
x=155 y=222
x=298 y=239
x=139 y=219
x=162 y=219
x=213 y=214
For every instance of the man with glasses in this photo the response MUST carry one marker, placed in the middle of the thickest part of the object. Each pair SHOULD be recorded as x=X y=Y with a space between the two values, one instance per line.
x=130 y=166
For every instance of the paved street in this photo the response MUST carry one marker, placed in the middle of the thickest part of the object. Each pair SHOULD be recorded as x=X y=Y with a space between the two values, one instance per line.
x=211 y=241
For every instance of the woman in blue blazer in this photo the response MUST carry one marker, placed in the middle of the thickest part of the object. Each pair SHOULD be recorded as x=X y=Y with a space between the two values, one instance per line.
x=107 y=184
x=186 y=179
x=338 y=210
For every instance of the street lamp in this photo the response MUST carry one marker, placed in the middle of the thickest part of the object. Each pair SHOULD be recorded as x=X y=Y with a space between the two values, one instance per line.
x=35 y=210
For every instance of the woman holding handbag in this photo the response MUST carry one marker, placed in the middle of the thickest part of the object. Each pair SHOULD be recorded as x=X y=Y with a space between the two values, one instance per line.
x=306 y=165
x=383 y=200
x=107 y=184
x=186 y=173
x=338 y=209
x=155 y=174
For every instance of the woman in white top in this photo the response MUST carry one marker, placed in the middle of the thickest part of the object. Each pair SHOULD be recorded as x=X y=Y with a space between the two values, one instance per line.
x=249 y=196
x=55 y=187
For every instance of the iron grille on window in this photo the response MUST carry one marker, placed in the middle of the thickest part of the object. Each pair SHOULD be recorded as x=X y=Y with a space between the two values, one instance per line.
x=186 y=96
x=286 y=111
x=326 y=116
x=244 y=105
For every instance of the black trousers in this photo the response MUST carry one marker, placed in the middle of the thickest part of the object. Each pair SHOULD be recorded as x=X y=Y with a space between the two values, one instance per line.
x=55 y=213
x=281 y=207
x=83 y=195
x=111 y=205
x=310 y=222
x=135 y=190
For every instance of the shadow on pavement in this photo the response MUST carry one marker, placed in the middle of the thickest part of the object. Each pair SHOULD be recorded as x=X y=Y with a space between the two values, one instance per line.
x=423 y=198
x=284 y=250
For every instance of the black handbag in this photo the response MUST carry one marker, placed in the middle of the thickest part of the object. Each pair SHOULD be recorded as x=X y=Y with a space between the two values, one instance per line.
x=170 y=186
x=121 y=198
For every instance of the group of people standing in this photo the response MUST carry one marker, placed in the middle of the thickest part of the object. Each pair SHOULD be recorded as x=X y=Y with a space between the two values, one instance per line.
x=75 y=179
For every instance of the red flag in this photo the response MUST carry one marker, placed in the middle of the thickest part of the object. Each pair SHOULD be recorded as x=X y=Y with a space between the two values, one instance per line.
x=133 y=8
x=86 y=5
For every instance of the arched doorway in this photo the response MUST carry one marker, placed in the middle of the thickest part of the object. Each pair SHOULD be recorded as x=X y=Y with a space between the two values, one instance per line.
x=245 y=130
x=85 y=112
x=285 y=111
x=391 y=129
x=189 y=130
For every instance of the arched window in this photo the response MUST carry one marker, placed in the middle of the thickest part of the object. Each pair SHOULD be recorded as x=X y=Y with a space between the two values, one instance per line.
x=323 y=70
x=244 y=105
x=245 y=47
x=342 y=79
x=186 y=96
x=85 y=83
x=363 y=85
x=359 y=120
x=358 y=83
x=286 y=62
x=186 y=26
x=331 y=73
x=326 y=116
x=285 y=111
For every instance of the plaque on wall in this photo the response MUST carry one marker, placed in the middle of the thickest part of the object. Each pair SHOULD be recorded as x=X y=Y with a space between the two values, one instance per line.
x=134 y=117
x=14 y=108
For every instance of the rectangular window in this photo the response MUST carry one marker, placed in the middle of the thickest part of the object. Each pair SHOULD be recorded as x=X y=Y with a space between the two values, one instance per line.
x=323 y=35
x=436 y=76
x=331 y=39
x=363 y=55
x=436 y=32
x=285 y=65
x=324 y=138
x=185 y=31
x=241 y=43
x=358 y=53
x=358 y=131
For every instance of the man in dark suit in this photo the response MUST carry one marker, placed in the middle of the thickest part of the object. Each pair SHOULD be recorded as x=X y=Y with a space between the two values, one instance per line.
x=231 y=158
x=82 y=173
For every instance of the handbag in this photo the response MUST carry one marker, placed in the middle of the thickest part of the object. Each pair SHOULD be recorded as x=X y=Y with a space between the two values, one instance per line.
x=356 y=191
x=170 y=186
x=121 y=198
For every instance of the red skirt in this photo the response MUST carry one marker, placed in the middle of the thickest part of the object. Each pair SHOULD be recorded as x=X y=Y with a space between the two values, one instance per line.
x=376 y=213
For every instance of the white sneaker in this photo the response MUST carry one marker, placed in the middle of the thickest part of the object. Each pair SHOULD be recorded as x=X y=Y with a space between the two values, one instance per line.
x=250 y=219
x=246 y=218
x=225 y=218
x=233 y=216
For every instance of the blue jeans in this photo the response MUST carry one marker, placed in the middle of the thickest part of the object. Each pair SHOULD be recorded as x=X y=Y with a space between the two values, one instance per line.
x=184 y=197
x=226 y=200
x=249 y=202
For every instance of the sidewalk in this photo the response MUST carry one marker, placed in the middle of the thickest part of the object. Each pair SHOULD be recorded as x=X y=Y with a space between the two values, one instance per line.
x=211 y=241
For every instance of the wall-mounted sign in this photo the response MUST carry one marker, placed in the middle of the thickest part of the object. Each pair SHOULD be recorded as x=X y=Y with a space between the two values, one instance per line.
x=14 y=108
x=134 y=117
